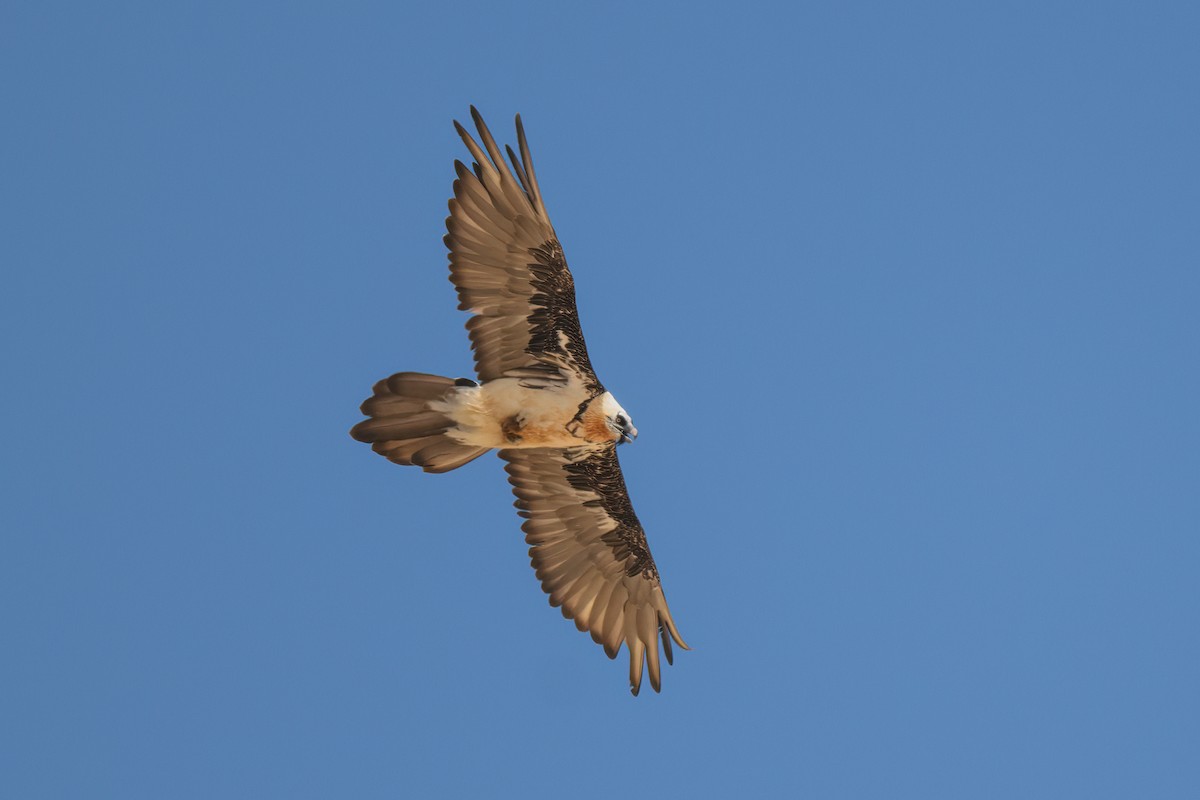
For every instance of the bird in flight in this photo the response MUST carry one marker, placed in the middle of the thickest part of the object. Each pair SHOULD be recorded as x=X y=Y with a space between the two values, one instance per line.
x=538 y=403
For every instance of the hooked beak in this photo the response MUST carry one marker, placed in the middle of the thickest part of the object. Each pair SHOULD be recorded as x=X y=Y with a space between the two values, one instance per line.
x=628 y=435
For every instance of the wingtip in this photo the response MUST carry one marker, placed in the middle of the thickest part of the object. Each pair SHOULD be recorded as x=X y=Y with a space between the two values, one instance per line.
x=670 y=625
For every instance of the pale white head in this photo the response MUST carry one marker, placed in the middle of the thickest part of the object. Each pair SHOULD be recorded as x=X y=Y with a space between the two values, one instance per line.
x=617 y=419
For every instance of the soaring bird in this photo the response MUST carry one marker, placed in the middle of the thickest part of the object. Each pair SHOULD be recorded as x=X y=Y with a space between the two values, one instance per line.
x=538 y=403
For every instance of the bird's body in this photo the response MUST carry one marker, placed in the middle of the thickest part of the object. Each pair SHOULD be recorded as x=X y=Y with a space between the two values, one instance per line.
x=509 y=413
x=539 y=403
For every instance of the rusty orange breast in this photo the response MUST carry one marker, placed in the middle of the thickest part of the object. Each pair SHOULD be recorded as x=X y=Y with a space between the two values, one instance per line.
x=595 y=427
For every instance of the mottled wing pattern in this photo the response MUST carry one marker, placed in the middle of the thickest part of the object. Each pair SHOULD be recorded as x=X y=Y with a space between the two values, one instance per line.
x=509 y=268
x=590 y=551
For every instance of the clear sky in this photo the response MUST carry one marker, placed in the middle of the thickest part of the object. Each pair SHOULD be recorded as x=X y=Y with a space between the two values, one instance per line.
x=903 y=298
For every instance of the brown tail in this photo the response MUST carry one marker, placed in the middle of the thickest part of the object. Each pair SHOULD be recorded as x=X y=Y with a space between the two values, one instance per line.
x=403 y=429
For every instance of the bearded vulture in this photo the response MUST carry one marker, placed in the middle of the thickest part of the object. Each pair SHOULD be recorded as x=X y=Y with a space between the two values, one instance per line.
x=539 y=403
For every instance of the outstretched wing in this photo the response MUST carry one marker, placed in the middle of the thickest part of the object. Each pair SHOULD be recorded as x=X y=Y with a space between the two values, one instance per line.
x=590 y=552
x=509 y=269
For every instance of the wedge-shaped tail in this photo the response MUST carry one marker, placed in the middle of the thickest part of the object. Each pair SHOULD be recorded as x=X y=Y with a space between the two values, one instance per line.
x=402 y=428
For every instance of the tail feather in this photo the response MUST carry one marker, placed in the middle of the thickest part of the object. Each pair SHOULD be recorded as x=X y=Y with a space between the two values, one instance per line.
x=445 y=454
x=387 y=405
x=420 y=385
x=402 y=451
x=402 y=428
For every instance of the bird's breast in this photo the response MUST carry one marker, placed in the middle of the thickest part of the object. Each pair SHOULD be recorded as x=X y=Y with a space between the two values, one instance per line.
x=504 y=414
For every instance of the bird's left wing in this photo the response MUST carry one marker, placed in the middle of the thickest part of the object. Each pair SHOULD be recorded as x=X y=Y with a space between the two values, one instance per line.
x=590 y=552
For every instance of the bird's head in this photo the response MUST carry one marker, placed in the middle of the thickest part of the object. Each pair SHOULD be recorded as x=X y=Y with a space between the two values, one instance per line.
x=617 y=419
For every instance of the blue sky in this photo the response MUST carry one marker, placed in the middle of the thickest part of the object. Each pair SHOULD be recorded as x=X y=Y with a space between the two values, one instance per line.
x=902 y=297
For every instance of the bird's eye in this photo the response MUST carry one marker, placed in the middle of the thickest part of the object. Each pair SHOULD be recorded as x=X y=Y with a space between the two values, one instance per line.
x=621 y=421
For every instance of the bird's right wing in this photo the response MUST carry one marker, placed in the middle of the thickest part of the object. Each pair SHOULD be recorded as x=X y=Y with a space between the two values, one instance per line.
x=509 y=269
